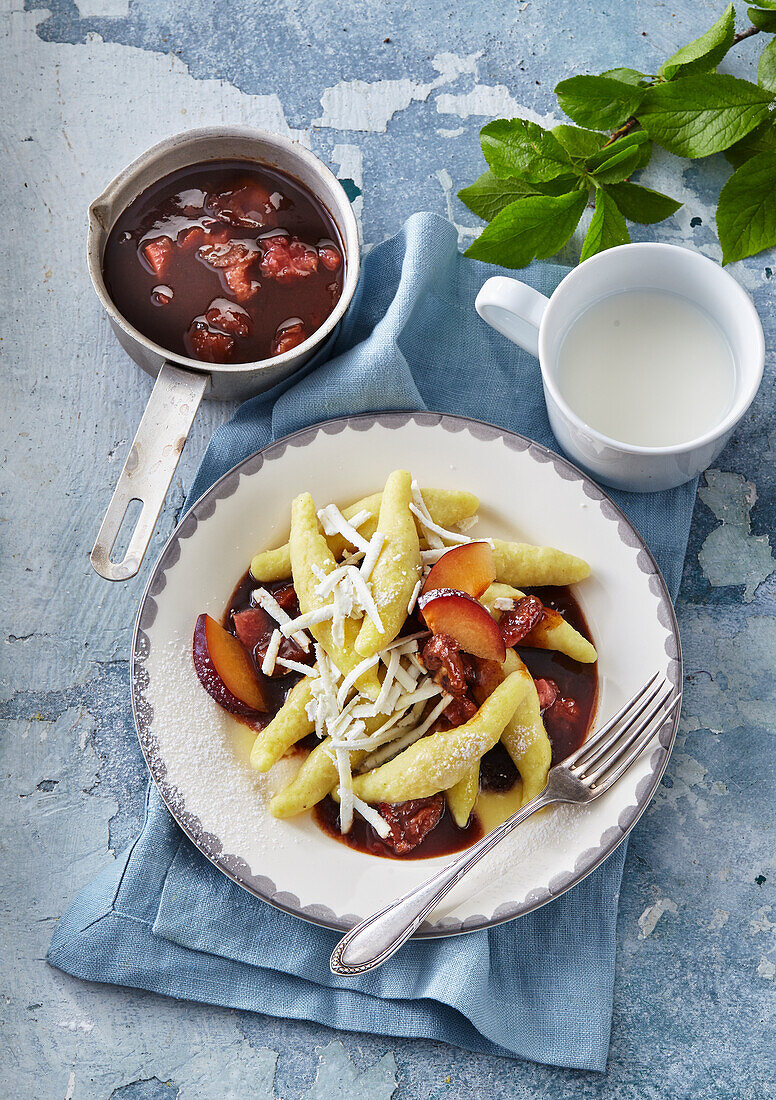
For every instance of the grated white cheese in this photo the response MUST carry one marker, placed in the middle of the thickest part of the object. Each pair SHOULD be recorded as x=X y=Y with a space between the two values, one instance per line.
x=334 y=523
x=297 y=666
x=418 y=508
x=327 y=582
x=364 y=597
x=353 y=675
x=414 y=597
x=266 y=600
x=503 y=603
x=378 y=823
x=424 y=691
x=308 y=619
x=402 y=675
x=431 y=557
x=399 y=744
x=345 y=789
x=360 y=518
x=390 y=675
x=432 y=529
x=372 y=554
x=268 y=664
x=466 y=524
x=432 y=717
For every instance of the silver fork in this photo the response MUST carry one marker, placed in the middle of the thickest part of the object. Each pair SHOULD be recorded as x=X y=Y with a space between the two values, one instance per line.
x=582 y=777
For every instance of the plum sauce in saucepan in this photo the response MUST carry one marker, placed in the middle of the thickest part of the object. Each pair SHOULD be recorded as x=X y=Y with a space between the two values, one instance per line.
x=567 y=690
x=226 y=262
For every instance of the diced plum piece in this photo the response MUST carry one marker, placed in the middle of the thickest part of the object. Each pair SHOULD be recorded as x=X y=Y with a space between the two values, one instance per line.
x=239 y=281
x=286 y=598
x=286 y=259
x=548 y=691
x=229 y=253
x=225 y=670
x=469 y=568
x=228 y=317
x=449 y=611
x=516 y=624
x=289 y=337
x=248 y=204
x=208 y=345
x=487 y=677
x=329 y=256
x=411 y=821
x=254 y=627
x=157 y=254
x=566 y=711
x=190 y=238
x=442 y=654
x=460 y=710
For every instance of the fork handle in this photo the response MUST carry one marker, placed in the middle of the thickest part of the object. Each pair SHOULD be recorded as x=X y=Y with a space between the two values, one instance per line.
x=372 y=942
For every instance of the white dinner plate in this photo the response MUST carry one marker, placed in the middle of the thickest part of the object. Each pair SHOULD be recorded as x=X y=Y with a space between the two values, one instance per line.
x=198 y=754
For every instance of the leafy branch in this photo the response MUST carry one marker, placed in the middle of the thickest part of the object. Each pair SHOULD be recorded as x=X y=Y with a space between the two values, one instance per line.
x=539 y=181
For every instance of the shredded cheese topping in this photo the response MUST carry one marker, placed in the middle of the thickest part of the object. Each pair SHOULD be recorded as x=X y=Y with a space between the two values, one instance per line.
x=338 y=710
x=268 y=664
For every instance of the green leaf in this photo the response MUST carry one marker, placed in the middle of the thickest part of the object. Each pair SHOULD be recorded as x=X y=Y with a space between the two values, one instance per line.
x=761 y=140
x=694 y=116
x=598 y=101
x=746 y=212
x=618 y=167
x=766 y=4
x=579 y=143
x=628 y=141
x=514 y=147
x=641 y=204
x=704 y=53
x=536 y=226
x=763 y=20
x=766 y=70
x=607 y=226
x=627 y=76
x=488 y=195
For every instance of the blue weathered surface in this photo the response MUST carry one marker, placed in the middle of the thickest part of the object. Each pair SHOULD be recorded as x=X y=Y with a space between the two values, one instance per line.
x=393 y=97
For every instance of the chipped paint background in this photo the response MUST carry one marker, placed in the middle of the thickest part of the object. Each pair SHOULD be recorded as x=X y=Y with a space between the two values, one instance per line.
x=393 y=97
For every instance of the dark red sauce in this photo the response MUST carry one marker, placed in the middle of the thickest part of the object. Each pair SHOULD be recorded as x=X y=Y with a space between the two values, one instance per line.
x=275 y=688
x=565 y=730
x=443 y=839
x=227 y=262
x=576 y=681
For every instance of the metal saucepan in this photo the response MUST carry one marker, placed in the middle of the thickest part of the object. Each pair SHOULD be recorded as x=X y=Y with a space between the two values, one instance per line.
x=181 y=383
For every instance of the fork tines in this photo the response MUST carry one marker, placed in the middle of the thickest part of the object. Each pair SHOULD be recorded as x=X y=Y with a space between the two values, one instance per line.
x=600 y=761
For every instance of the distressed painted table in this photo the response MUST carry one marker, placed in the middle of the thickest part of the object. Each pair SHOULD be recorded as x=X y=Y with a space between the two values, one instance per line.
x=392 y=96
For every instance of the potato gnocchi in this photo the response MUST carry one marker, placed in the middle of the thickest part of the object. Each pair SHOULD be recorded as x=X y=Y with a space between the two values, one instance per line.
x=400 y=654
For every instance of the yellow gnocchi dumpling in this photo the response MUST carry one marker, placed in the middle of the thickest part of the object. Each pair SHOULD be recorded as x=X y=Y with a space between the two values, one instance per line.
x=527 y=566
x=310 y=555
x=553 y=632
x=437 y=762
x=289 y=725
x=524 y=735
x=446 y=506
x=397 y=569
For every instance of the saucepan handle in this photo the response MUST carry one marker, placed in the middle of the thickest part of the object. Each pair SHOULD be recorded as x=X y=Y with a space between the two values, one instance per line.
x=149 y=467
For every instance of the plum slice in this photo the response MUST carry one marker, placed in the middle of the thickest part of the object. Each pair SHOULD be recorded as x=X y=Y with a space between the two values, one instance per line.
x=469 y=568
x=450 y=611
x=225 y=669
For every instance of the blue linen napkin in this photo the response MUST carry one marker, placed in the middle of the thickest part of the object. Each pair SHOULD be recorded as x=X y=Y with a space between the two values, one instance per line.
x=163 y=918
